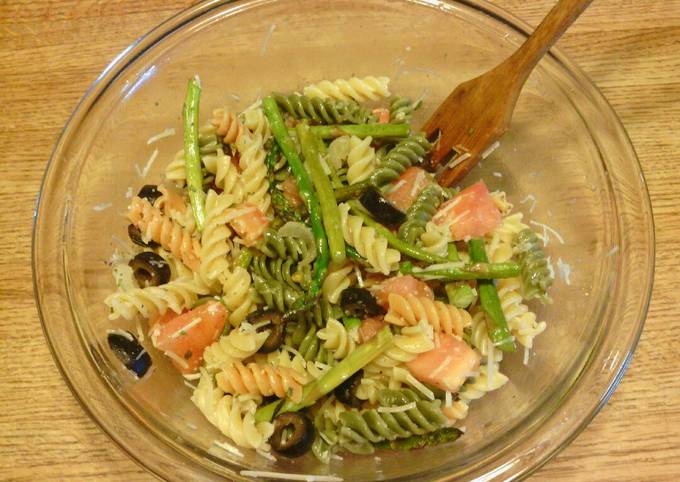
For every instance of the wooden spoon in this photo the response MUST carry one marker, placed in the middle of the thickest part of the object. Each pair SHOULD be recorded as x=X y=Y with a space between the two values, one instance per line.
x=477 y=113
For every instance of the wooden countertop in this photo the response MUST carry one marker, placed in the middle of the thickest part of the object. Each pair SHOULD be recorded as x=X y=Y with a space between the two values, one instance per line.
x=50 y=52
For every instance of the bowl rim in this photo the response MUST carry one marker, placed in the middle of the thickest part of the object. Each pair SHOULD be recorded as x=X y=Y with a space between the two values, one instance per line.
x=152 y=37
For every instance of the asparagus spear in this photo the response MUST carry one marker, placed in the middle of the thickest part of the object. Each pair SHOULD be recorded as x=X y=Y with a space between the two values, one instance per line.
x=192 y=155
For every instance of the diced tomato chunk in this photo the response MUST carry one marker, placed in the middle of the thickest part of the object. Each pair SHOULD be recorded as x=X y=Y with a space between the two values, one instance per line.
x=402 y=285
x=447 y=365
x=369 y=328
x=249 y=223
x=291 y=192
x=470 y=214
x=186 y=336
x=382 y=114
x=405 y=189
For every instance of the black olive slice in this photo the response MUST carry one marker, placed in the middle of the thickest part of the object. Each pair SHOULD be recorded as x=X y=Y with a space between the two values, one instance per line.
x=150 y=269
x=346 y=391
x=277 y=328
x=360 y=302
x=136 y=237
x=149 y=192
x=128 y=350
x=380 y=208
x=293 y=434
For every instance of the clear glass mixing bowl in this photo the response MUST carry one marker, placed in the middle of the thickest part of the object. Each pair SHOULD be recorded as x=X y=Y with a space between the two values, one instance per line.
x=566 y=148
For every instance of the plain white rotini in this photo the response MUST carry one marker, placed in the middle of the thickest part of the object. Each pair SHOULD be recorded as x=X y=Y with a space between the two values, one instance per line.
x=521 y=320
x=227 y=125
x=370 y=385
x=337 y=280
x=367 y=242
x=406 y=346
x=337 y=339
x=124 y=277
x=239 y=344
x=499 y=243
x=435 y=239
x=355 y=88
x=175 y=171
x=254 y=170
x=500 y=199
x=360 y=159
x=226 y=174
x=156 y=300
x=234 y=416
x=237 y=294
x=474 y=389
x=479 y=337
x=177 y=268
x=338 y=150
x=294 y=361
x=261 y=379
x=155 y=226
x=409 y=310
x=215 y=236
x=256 y=122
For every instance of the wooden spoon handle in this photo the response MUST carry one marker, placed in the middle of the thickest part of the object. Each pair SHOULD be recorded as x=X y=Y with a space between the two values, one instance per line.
x=562 y=15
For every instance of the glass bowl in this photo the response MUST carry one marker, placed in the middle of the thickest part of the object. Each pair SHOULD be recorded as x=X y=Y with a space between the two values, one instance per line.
x=566 y=162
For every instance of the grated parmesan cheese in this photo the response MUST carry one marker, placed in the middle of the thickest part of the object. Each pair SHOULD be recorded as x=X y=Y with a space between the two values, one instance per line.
x=612 y=251
x=565 y=271
x=148 y=165
x=526 y=356
x=394 y=187
x=236 y=97
x=497 y=174
x=442 y=366
x=140 y=331
x=266 y=455
x=129 y=193
x=360 y=279
x=400 y=408
x=283 y=476
x=192 y=376
x=186 y=328
x=443 y=212
x=192 y=426
x=420 y=178
x=457 y=160
x=189 y=385
x=527 y=198
x=336 y=457
x=237 y=213
x=101 y=206
x=122 y=333
x=267 y=38
x=169 y=132
x=547 y=228
x=180 y=361
x=228 y=448
x=490 y=149
x=448 y=399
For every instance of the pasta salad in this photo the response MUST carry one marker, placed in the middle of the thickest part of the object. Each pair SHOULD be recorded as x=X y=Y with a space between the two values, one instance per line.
x=302 y=265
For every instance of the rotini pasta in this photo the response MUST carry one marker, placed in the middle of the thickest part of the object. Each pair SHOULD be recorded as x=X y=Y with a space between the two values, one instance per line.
x=236 y=294
x=226 y=175
x=435 y=239
x=261 y=380
x=536 y=274
x=161 y=229
x=409 y=310
x=357 y=89
x=360 y=159
x=337 y=339
x=337 y=280
x=156 y=300
x=215 y=236
x=322 y=110
x=255 y=121
x=239 y=344
x=402 y=108
x=521 y=321
x=367 y=243
x=233 y=416
x=227 y=126
x=254 y=170
x=208 y=144
x=407 y=345
x=408 y=152
x=499 y=243
x=420 y=213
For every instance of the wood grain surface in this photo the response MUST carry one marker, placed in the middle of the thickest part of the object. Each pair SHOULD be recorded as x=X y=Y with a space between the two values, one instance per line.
x=50 y=52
